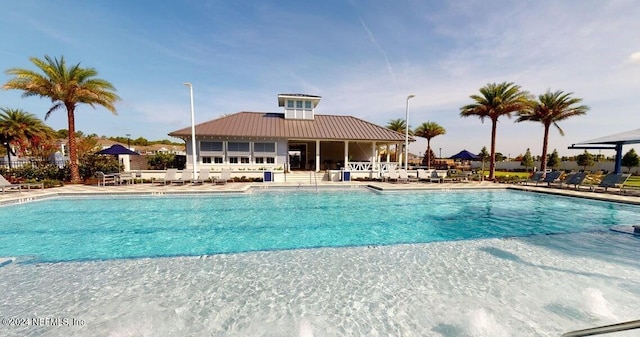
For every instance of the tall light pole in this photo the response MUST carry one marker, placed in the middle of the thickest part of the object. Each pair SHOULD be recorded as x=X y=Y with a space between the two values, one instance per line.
x=193 y=132
x=129 y=141
x=406 y=133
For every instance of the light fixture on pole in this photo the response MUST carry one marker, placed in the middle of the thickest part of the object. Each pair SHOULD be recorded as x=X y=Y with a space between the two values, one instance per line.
x=193 y=132
x=129 y=141
x=406 y=133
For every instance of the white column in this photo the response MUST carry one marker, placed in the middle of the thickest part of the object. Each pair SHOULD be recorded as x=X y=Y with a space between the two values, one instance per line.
x=317 y=156
x=373 y=155
x=388 y=150
x=346 y=153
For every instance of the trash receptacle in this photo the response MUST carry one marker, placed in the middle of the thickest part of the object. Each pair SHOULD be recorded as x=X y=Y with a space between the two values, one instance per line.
x=267 y=176
x=346 y=176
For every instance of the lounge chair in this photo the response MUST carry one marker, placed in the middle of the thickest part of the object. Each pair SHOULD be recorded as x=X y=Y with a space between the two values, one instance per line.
x=185 y=177
x=424 y=174
x=169 y=177
x=435 y=177
x=403 y=176
x=552 y=177
x=576 y=179
x=106 y=178
x=5 y=184
x=393 y=176
x=202 y=176
x=612 y=180
x=225 y=176
x=536 y=177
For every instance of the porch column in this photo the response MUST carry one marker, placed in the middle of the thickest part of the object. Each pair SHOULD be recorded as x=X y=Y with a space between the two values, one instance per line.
x=346 y=153
x=373 y=156
x=399 y=154
x=387 y=149
x=317 y=155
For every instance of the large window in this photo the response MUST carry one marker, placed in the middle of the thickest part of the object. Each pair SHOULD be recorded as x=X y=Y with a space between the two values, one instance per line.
x=238 y=147
x=211 y=146
x=264 y=147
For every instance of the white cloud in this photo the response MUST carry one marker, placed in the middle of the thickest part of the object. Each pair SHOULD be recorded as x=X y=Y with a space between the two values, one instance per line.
x=635 y=58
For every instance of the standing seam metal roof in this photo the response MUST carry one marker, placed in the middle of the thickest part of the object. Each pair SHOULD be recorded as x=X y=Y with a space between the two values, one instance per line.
x=274 y=125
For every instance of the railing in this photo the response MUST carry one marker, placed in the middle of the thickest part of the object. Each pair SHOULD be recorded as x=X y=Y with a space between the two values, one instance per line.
x=367 y=166
x=604 y=329
x=315 y=178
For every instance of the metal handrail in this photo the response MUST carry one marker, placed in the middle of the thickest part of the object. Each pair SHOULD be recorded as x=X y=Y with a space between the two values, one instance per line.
x=315 y=177
x=604 y=329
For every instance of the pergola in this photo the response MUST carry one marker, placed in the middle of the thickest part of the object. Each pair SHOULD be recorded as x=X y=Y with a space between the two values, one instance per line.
x=612 y=142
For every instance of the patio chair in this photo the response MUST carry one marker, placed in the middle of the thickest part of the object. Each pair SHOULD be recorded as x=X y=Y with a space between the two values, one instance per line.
x=203 y=176
x=612 y=180
x=403 y=177
x=576 y=179
x=225 y=176
x=5 y=184
x=106 y=178
x=435 y=177
x=185 y=177
x=536 y=177
x=552 y=177
x=169 y=176
x=393 y=176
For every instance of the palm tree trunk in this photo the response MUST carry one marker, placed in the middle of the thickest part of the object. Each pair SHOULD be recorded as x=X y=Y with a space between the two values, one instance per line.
x=545 y=144
x=428 y=153
x=8 y=148
x=73 y=148
x=492 y=161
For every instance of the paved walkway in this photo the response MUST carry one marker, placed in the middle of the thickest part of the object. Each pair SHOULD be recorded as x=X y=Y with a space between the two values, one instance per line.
x=13 y=196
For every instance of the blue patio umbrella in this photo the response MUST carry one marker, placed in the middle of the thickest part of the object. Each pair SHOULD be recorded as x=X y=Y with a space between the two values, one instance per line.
x=117 y=149
x=465 y=155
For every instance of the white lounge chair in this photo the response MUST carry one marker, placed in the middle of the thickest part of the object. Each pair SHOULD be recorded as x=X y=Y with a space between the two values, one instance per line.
x=185 y=177
x=5 y=184
x=393 y=176
x=224 y=177
x=403 y=176
x=169 y=176
x=202 y=176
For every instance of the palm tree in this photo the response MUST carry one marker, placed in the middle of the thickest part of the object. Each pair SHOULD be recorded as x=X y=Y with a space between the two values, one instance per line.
x=429 y=130
x=496 y=100
x=66 y=87
x=398 y=125
x=17 y=125
x=550 y=108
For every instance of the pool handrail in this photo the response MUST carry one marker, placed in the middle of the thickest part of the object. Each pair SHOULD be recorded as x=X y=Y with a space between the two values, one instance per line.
x=624 y=326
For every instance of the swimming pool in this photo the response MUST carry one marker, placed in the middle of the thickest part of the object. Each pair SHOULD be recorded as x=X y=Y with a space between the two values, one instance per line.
x=522 y=285
x=87 y=228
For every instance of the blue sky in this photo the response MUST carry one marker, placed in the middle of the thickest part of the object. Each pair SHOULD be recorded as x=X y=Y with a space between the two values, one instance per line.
x=362 y=57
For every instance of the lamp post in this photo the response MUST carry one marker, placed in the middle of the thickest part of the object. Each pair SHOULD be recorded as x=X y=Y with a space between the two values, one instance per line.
x=129 y=141
x=406 y=133
x=193 y=132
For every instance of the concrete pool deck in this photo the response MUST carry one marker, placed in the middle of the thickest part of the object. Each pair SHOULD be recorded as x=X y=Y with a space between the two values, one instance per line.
x=11 y=197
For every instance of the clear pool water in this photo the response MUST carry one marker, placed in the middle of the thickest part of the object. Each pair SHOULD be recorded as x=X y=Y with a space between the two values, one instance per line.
x=97 y=228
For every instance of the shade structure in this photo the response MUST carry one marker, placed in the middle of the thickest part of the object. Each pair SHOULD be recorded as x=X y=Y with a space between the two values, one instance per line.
x=116 y=149
x=465 y=155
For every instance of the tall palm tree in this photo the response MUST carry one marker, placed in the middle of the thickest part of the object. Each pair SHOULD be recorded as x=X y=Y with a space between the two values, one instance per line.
x=398 y=125
x=496 y=100
x=17 y=126
x=429 y=130
x=66 y=86
x=549 y=109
